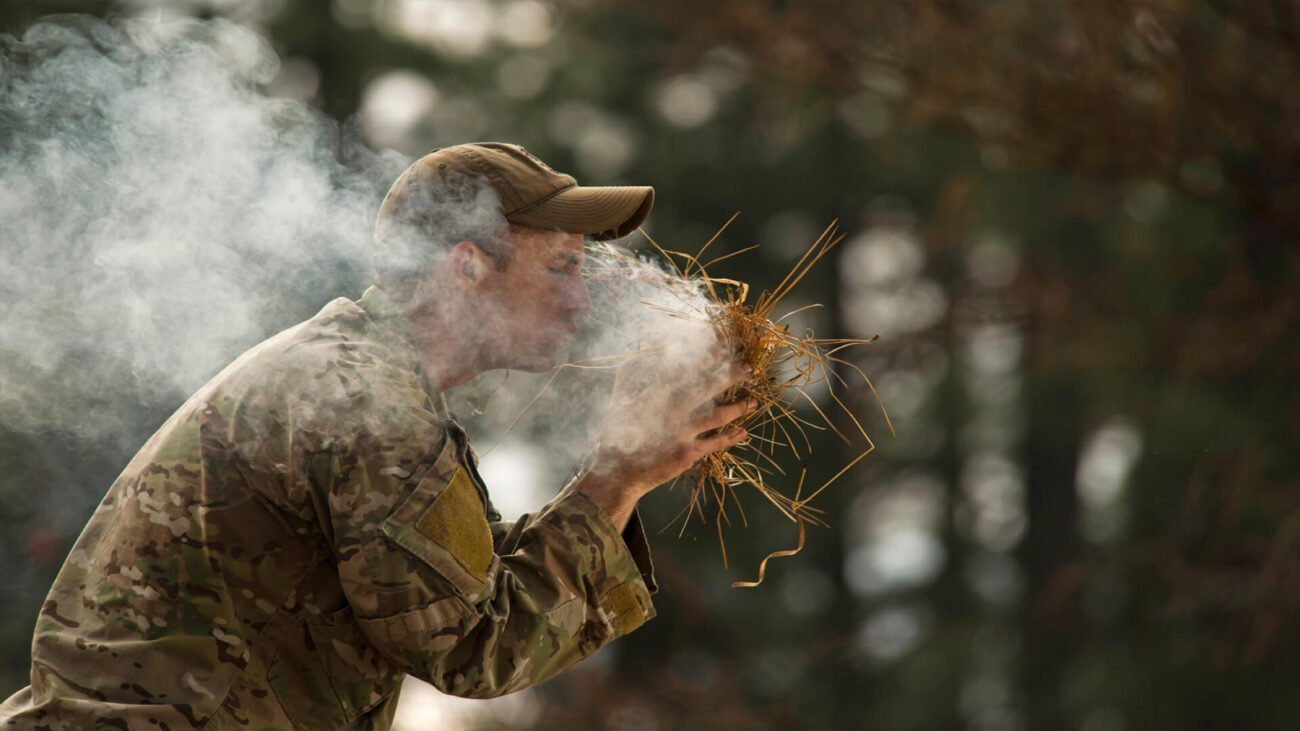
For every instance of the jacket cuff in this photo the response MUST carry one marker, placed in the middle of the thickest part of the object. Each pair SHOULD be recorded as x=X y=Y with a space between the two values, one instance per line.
x=616 y=568
x=635 y=540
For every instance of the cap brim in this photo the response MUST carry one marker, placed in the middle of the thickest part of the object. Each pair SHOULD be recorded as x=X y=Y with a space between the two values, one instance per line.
x=609 y=212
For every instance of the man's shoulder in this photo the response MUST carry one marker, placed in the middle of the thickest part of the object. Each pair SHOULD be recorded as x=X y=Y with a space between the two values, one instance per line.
x=338 y=370
x=340 y=340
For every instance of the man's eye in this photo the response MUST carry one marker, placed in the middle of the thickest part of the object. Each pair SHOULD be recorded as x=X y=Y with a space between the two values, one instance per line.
x=558 y=270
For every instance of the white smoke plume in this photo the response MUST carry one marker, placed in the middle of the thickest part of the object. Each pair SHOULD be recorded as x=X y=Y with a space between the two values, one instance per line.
x=660 y=321
x=159 y=214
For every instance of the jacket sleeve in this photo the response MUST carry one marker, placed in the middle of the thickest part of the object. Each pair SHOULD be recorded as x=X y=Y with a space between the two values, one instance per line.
x=473 y=614
x=506 y=536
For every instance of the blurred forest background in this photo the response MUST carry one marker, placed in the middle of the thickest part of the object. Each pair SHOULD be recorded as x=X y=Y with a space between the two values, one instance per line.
x=1074 y=226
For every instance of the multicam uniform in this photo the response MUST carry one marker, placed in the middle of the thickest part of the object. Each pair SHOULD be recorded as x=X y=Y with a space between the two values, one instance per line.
x=306 y=530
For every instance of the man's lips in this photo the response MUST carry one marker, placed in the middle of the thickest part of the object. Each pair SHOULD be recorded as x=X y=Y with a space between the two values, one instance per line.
x=564 y=335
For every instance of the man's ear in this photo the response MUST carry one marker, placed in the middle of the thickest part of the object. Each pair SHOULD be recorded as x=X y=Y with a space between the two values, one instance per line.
x=466 y=263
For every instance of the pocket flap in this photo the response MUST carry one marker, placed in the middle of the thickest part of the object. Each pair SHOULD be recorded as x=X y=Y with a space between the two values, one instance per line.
x=443 y=522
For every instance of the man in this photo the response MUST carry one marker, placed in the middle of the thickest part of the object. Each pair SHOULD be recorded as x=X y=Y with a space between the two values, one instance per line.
x=310 y=526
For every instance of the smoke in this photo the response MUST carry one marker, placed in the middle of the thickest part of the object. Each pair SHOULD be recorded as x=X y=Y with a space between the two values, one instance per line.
x=159 y=214
x=649 y=326
x=658 y=324
x=420 y=221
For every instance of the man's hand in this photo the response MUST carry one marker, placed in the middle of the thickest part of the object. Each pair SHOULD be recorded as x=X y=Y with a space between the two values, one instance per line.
x=655 y=433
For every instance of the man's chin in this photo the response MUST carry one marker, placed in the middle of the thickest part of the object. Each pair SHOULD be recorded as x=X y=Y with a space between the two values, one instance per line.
x=534 y=366
x=537 y=362
x=540 y=359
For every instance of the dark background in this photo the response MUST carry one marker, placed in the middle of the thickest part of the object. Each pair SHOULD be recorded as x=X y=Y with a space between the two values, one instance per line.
x=1074 y=226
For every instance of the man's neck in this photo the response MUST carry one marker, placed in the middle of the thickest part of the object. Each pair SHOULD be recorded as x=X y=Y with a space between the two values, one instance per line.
x=450 y=353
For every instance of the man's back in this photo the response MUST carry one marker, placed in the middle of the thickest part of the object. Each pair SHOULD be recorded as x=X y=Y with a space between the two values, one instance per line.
x=214 y=544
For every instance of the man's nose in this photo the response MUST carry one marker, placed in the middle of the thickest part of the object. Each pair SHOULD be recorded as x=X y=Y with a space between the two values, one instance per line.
x=579 y=300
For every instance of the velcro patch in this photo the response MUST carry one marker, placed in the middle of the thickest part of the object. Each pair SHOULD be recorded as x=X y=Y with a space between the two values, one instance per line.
x=626 y=609
x=456 y=522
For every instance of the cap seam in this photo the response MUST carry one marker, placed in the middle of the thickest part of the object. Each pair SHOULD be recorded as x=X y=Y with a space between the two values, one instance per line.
x=542 y=200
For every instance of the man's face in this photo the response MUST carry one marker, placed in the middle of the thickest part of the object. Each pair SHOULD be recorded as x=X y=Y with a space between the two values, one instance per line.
x=534 y=306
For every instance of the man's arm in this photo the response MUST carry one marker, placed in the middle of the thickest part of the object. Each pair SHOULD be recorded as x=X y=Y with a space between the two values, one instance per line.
x=506 y=536
x=432 y=593
x=478 y=617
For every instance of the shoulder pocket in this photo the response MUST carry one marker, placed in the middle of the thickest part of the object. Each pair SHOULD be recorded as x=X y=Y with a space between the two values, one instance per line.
x=443 y=522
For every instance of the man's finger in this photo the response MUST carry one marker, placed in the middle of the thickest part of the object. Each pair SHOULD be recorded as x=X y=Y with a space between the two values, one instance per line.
x=712 y=385
x=725 y=439
x=713 y=417
x=734 y=376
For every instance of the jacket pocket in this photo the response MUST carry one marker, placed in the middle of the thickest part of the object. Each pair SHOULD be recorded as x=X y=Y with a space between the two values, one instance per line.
x=359 y=675
x=327 y=674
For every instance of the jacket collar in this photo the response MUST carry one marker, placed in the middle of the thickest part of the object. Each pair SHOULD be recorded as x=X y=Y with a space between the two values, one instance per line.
x=394 y=328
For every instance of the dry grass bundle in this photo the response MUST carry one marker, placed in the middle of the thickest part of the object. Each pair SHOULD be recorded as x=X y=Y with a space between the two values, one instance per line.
x=784 y=366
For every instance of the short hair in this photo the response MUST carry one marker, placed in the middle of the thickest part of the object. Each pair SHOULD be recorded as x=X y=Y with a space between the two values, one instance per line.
x=424 y=215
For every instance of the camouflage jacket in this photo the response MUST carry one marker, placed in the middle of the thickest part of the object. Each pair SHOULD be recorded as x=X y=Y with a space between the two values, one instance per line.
x=307 y=529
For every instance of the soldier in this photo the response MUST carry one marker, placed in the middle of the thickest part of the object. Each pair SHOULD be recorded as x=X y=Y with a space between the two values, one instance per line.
x=310 y=526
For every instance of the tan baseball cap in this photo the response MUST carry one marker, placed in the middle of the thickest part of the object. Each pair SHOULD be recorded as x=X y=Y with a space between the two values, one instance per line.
x=531 y=192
